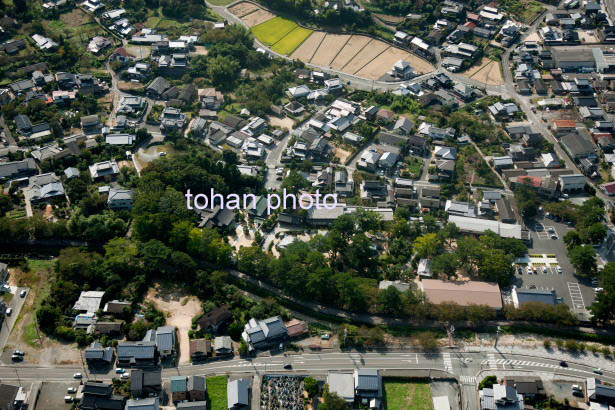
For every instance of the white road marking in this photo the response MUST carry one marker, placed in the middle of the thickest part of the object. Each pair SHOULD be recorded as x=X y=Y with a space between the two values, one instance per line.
x=575 y=295
x=448 y=363
x=467 y=379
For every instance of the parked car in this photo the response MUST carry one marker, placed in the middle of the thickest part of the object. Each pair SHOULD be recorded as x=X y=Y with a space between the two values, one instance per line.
x=23 y=293
x=563 y=363
x=125 y=376
x=120 y=370
x=559 y=269
x=163 y=154
x=68 y=399
x=598 y=290
x=19 y=352
x=544 y=269
x=17 y=358
x=576 y=387
x=72 y=390
x=9 y=311
x=597 y=370
x=288 y=366
x=77 y=376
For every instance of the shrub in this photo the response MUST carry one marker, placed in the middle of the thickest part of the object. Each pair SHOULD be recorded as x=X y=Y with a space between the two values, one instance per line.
x=547 y=344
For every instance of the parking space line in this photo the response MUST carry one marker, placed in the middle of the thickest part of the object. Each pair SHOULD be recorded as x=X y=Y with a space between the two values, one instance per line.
x=575 y=295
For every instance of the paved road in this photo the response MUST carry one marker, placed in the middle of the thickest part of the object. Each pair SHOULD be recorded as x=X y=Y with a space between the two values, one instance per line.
x=16 y=304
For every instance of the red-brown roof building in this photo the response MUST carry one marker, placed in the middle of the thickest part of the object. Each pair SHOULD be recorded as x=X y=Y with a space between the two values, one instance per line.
x=464 y=293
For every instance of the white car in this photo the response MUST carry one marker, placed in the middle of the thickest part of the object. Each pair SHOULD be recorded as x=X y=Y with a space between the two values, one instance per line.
x=9 y=311
x=125 y=376
x=598 y=290
x=559 y=269
x=23 y=293
x=77 y=376
x=576 y=387
x=163 y=154
x=544 y=269
x=71 y=390
x=68 y=399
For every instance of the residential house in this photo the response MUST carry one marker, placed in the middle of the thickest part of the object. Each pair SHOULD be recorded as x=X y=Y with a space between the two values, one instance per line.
x=106 y=170
x=213 y=320
x=259 y=334
x=342 y=384
x=179 y=388
x=157 y=87
x=99 y=396
x=150 y=403
x=403 y=126
x=200 y=349
x=344 y=185
x=120 y=199
x=572 y=182
x=90 y=124
x=137 y=354
x=172 y=119
x=523 y=296
x=97 y=355
x=197 y=388
x=223 y=346
x=417 y=145
x=17 y=169
x=374 y=190
x=578 y=146
x=44 y=188
x=464 y=293
x=501 y=397
x=165 y=340
x=368 y=387
x=238 y=394
x=460 y=208
x=600 y=392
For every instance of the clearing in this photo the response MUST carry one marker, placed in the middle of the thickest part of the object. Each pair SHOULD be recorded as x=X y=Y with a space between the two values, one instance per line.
x=216 y=390
x=243 y=9
x=402 y=394
x=24 y=335
x=291 y=41
x=272 y=31
x=525 y=10
x=354 y=45
x=330 y=46
x=220 y=2
x=383 y=63
x=257 y=17
x=76 y=17
x=140 y=52
x=285 y=122
x=489 y=74
x=342 y=154
x=180 y=309
x=306 y=51
x=477 y=67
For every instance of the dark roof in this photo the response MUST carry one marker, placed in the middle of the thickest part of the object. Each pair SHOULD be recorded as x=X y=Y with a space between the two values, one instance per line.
x=197 y=383
x=391 y=139
x=22 y=122
x=215 y=317
x=158 y=85
x=7 y=395
x=234 y=122
x=138 y=350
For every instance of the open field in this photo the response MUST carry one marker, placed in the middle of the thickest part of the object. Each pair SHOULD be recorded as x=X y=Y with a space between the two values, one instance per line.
x=525 y=10
x=490 y=74
x=401 y=394
x=330 y=46
x=220 y=2
x=216 y=390
x=242 y=9
x=258 y=17
x=285 y=122
x=383 y=63
x=291 y=41
x=272 y=31
x=75 y=17
x=354 y=45
x=477 y=67
x=342 y=154
x=306 y=51
x=371 y=51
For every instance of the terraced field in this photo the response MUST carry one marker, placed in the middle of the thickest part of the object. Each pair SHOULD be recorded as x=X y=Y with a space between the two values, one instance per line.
x=291 y=41
x=273 y=30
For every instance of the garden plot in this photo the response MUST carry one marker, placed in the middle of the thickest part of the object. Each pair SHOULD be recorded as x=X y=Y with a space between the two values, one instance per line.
x=371 y=51
x=354 y=45
x=257 y=17
x=330 y=46
x=306 y=51
x=243 y=9
x=272 y=31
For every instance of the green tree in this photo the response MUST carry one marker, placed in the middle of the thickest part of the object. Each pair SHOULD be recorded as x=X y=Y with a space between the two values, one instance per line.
x=572 y=239
x=390 y=300
x=427 y=245
x=487 y=382
x=446 y=264
x=311 y=386
x=496 y=266
x=527 y=200
x=596 y=233
x=331 y=401
x=603 y=308
x=583 y=258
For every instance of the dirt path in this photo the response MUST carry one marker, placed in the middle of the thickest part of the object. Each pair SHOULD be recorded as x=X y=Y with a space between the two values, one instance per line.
x=179 y=310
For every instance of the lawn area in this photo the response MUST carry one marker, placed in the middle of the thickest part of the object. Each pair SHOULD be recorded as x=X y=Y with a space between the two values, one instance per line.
x=291 y=41
x=216 y=390
x=525 y=10
x=401 y=394
x=414 y=166
x=272 y=31
x=220 y=2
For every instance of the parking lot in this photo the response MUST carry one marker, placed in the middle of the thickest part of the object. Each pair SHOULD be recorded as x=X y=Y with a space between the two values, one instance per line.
x=547 y=234
x=51 y=396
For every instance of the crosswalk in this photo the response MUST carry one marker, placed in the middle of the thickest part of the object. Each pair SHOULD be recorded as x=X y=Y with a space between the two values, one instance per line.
x=467 y=379
x=576 y=295
x=448 y=363
x=491 y=361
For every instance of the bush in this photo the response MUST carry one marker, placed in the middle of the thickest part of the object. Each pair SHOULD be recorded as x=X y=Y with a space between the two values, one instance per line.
x=427 y=340
x=571 y=346
x=488 y=382
x=547 y=344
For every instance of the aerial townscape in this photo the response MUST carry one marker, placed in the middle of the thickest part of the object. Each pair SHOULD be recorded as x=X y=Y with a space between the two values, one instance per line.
x=464 y=260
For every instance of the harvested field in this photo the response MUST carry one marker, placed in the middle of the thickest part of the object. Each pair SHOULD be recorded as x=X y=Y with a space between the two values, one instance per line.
x=329 y=48
x=242 y=9
x=258 y=17
x=291 y=41
x=490 y=74
x=383 y=63
x=420 y=65
x=354 y=45
x=306 y=51
x=76 y=17
x=371 y=51
x=272 y=31
x=477 y=67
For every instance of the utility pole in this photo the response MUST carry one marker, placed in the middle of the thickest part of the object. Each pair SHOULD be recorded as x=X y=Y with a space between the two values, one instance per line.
x=497 y=334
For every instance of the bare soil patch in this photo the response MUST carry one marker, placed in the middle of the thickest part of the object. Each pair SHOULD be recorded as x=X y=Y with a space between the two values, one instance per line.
x=199 y=51
x=285 y=122
x=490 y=74
x=242 y=9
x=140 y=52
x=257 y=17
x=306 y=51
x=354 y=45
x=383 y=63
x=342 y=154
x=128 y=86
x=179 y=309
x=371 y=51
x=330 y=46
x=76 y=17
x=477 y=67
